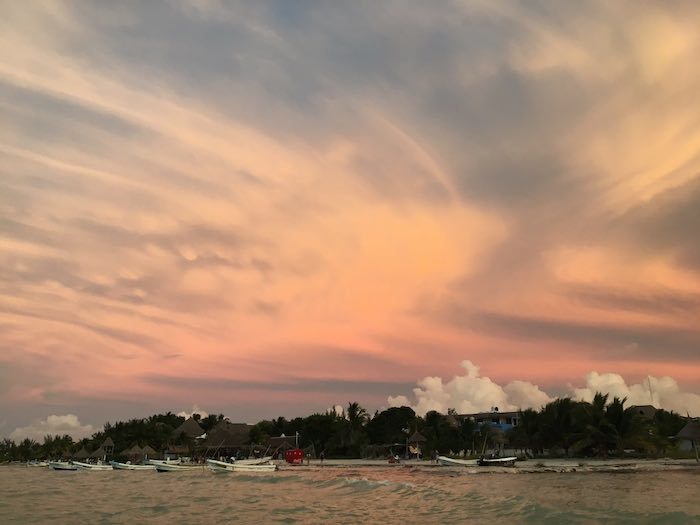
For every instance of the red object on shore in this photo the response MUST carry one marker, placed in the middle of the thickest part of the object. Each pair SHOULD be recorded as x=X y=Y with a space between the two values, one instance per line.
x=295 y=456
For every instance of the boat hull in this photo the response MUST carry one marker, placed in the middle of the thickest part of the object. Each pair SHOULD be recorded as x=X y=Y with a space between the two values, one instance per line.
x=92 y=467
x=498 y=462
x=221 y=466
x=450 y=462
x=254 y=461
x=129 y=466
x=62 y=465
x=164 y=466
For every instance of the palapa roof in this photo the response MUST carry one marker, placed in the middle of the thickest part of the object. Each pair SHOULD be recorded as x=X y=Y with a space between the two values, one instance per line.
x=228 y=435
x=417 y=437
x=278 y=441
x=108 y=443
x=177 y=449
x=149 y=451
x=100 y=452
x=690 y=431
x=190 y=428
x=134 y=450
x=81 y=454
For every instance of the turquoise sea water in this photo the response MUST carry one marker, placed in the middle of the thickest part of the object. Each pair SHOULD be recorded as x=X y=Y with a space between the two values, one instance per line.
x=347 y=495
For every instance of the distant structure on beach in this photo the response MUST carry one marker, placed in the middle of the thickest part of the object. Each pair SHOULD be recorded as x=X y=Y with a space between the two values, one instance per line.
x=647 y=411
x=504 y=421
x=190 y=428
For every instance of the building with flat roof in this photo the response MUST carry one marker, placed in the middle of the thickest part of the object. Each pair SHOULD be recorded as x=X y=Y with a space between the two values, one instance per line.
x=504 y=421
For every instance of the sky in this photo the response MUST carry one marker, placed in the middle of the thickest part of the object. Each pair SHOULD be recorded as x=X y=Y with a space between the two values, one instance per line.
x=269 y=208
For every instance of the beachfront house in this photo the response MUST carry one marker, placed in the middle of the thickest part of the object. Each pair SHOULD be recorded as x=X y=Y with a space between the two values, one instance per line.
x=503 y=421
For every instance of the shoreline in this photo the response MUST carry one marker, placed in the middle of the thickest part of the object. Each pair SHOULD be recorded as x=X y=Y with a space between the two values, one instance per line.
x=521 y=467
x=543 y=466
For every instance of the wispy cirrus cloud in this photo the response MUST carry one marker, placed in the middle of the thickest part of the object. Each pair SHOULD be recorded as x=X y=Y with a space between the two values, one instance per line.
x=232 y=182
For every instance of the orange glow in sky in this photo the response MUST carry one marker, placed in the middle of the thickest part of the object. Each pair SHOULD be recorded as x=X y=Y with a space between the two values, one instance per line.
x=268 y=209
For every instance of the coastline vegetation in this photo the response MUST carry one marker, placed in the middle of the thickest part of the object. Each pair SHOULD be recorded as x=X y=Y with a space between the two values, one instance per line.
x=564 y=427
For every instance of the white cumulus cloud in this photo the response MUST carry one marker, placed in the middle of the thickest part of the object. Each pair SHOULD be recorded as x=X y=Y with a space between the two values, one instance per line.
x=471 y=393
x=195 y=410
x=662 y=392
x=55 y=425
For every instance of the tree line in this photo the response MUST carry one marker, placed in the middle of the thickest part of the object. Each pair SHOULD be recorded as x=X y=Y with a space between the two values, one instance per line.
x=563 y=427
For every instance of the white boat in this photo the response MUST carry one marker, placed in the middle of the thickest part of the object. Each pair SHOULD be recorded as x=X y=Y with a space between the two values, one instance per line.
x=237 y=466
x=450 y=462
x=37 y=463
x=254 y=461
x=97 y=467
x=131 y=466
x=170 y=466
x=62 y=465
x=508 y=461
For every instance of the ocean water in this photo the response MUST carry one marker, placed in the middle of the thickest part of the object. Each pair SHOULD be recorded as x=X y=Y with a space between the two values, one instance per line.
x=347 y=495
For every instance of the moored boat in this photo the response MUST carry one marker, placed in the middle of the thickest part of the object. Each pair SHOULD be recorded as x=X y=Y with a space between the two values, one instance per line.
x=131 y=466
x=169 y=466
x=451 y=462
x=237 y=466
x=37 y=463
x=62 y=465
x=508 y=461
x=254 y=461
x=97 y=467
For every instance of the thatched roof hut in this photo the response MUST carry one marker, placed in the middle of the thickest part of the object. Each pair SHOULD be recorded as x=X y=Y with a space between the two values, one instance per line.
x=228 y=435
x=133 y=452
x=99 y=453
x=149 y=452
x=417 y=437
x=282 y=442
x=690 y=431
x=81 y=454
x=189 y=428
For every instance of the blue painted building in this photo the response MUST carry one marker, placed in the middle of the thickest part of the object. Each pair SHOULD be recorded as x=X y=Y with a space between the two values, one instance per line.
x=504 y=421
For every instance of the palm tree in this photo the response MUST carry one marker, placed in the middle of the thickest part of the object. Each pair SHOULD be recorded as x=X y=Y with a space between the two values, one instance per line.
x=596 y=432
x=629 y=429
x=527 y=433
x=557 y=423
x=357 y=418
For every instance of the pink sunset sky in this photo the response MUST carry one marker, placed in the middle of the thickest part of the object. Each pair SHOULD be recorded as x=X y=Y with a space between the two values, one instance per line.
x=269 y=208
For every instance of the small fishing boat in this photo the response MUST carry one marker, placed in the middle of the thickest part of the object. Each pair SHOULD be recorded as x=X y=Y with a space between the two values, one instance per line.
x=170 y=466
x=451 y=462
x=97 y=467
x=238 y=466
x=62 y=465
x=254 y=461
x=508 y=461
x=37 y=463
x=131 y=466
